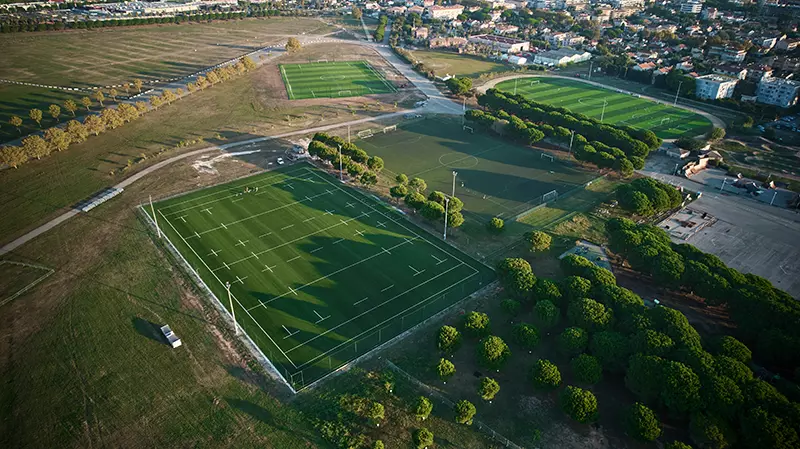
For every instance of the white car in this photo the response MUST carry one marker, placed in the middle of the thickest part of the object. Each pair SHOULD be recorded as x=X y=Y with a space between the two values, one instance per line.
x=280 y=161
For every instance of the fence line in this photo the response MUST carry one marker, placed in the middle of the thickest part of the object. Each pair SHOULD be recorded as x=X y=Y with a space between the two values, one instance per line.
x=441 y=397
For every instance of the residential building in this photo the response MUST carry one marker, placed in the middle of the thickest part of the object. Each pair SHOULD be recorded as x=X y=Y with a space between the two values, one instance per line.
x=428 y=3
x=691 y=7
x=416 y=9
x=787 y=44
x=731 y=70
x=758 y=73
x=714 y=87
x=564 y=39
x=504 y=28
x=445 y=12
x=447 y=42
x=561 y=56
x=778 y=91
x=421 y=33
x=727 y=53
x=709 y=13
x=643 y=67
x=638 y=4
x=504 y=44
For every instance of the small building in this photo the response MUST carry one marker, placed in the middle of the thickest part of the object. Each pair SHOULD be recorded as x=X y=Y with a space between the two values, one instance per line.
x=504 y=44
x=445 y=12
x=691 y=7
x=421 y=33
x=447 y=42
x=732 y=71
x=714 y=87
x=561 y=57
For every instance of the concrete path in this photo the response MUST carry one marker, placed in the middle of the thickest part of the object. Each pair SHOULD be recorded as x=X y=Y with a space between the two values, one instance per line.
x=711 y=117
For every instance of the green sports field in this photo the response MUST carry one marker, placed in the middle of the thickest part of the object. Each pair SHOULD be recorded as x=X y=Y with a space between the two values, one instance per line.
x=320 y=274
x=495 y=177
x=666 y=121
x=333 y=80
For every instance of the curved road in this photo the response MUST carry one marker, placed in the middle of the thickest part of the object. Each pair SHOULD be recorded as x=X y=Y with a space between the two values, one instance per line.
x=714 y=119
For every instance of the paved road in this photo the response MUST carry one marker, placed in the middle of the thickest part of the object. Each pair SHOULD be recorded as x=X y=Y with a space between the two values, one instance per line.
x=714 y=119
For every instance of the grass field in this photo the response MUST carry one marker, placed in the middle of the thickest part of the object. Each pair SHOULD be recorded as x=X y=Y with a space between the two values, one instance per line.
x=495 y=178
x=333 y=80
x=17 y=278
x=319 y=274
x=666 y=121
x=443 y=62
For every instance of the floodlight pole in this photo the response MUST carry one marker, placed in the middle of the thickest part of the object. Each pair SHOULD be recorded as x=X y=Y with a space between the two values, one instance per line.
x=603 y=114
x=591 y=65
x=723 y=184
x=773 y=198
x=515 y=86
x=464 y=104
x=155 y=219
x=348 y=135
x=446 y=208
x=676 y=93
x=571 y=137
x=233 y=312
x=455 y=173
x=341 y=176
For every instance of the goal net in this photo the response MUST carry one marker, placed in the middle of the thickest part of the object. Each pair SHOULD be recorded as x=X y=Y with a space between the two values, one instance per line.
x=547 y=156
x=469 y=129
x=550 y=196
x=534 y=82
x=389 y=128
x=367 y=133
x=322 y=60
x=342 y=93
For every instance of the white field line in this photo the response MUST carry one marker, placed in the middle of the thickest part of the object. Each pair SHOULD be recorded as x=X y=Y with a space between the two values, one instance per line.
x=223 y=284
x=34 y=283
x=225 y=226
x=322 y=278
x=291 y=241
x=379 y=324
x=394 y=221
x=283 y=177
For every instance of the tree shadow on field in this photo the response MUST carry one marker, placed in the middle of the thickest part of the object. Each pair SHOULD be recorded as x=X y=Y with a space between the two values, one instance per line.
x=148 y=329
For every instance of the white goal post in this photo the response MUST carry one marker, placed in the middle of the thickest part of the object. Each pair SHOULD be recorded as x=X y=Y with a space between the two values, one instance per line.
x=322 y=60
x=345 y=92
x=550 y=196
x=389 y=128
x=535 y=82
x=365 y=134
x=547 y=156
x=665 y=119
x=469 y=128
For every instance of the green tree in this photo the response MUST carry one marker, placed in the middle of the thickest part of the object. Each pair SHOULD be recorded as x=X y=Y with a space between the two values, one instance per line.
x=517 y=277
x=401 y=179
x=423 y=408
x=547 y=290
x=375 y=412
x=77 y=131
x=35 y=147
x=293 y=45
x=138 y=84
x=539 y=241
x=13 y=156
x=510 y=306
x=721 y=396
x=418 y=185
x=15 y=122
x=545 y=314
x=423 y=438
x=612 y=349
x=642 y=423
x=488 y=388
x=398 y=191
x=652 y=342
x=476 y=324
x=87 y=103
x=588 y=314
x=70 y=106
x=587 y=369
x=493 y=352
x=762 y=429
x=375 y=164
x=55 y=111
x=445 y=369
x=709 y=431
x=526 y=336
x=545 y=375
x=36 y=116
x=716 y=134
x=58 y=139
x=378 y=444
x=644 y=377
x=677 y=445
x=415 y=200
x=496 y=225
x=449 y=339
x=625 y=167
x=575 y=287
x=459 y=85
x=98 y=95
x=579 y=404
x=465 y=411
x=680 y=391
x=357 y=14
x=432 y=211
x=573 y=340
x=368 y=179
x=733 y=348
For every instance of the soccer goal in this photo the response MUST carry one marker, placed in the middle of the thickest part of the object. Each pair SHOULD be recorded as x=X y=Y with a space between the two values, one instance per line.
x=547 y=156
x=343 y=93
x=367 y=133
x=665 y=120
x=322 y=60
x=535 y=82
x=550 y=196
x=469 y=129
x=389 y=128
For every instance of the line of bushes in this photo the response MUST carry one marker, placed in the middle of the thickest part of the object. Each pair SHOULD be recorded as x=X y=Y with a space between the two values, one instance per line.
x=73 y=132
x=356 y=161
x=665 y=363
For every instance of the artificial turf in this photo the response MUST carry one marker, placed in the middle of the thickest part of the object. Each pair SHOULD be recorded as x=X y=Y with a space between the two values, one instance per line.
x=333 y=80
x=320 y=273
x=668 y=122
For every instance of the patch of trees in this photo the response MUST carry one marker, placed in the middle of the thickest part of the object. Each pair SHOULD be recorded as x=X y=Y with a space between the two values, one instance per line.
x=459 y=85
x=380 y=30
x=607 y=146
x=432 y=208
x=647 y=196
x=358 y=164
x=662 y=358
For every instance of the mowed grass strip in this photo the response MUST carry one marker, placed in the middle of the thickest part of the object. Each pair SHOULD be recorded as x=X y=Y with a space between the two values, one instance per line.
x=333 y=80
x=666 y=121
x=319 y=274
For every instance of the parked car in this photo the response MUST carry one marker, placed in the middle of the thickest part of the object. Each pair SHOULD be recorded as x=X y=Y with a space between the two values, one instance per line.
x=280 y=161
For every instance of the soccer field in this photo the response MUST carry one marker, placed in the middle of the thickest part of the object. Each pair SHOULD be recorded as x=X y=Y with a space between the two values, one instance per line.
x=495 y=178
x=320 y=274
x=666 y=121
x=333 y=80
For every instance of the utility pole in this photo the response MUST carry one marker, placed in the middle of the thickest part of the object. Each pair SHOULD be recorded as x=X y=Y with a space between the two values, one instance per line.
x=455 y=173
x=341 y=175
x=570 y=141
x=446 y=208
x=676 y=93
x=233 y=313
x=464 y=105
x=155 y=219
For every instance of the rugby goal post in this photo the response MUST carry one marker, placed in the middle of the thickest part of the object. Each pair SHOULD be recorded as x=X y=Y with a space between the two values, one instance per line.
x=389 y=128
x=469 y=129
x=550 y=196
x=547 y=156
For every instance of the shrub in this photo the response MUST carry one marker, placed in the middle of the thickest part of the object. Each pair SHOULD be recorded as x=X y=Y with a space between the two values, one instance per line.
x=465 y=411
x=378 y=445
x=449 y=339
x=579 y=404
x=423 y=408
x=526 y=335
x=445 y=369
x=545 y=375
x=423 y=438
x=517 y=277
x=587 y=369
x=545 y=314
x=489 y=388
x=642 y=423
x=588 y=314
x=547 y=290
x=733 y=348
x=496 y=225
x=493 y=352
x=539 y=241
x=415 y=200
x=612 y=349
x=510 y=306
x=575 y=287
x=476 y=324
x=573 y=340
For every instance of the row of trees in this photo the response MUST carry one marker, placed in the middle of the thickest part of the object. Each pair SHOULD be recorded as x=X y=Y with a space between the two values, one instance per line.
x=337 y=151
x=647 y=196
x=662 y=358
x=380 y=30
x=73 y=132
x=433 y=207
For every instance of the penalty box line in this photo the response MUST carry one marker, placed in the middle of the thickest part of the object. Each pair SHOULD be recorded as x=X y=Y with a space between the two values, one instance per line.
x=232 y=295
x=264 y=303
x=394 y=221
x=423 y=302
x=289 y=175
